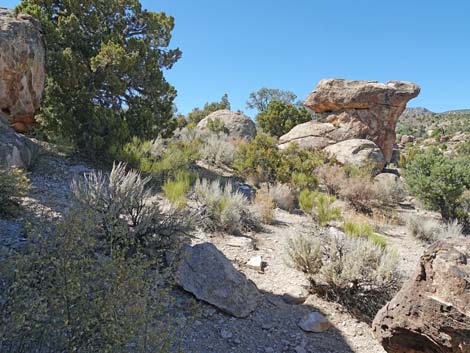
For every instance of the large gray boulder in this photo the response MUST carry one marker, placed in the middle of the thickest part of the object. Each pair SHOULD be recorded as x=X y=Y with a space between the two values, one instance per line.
x=359 y=153
x=236 y=125
x=205 y=272
x=367 y=109
x=15 y=149
x=22 y=72
x=431 y=313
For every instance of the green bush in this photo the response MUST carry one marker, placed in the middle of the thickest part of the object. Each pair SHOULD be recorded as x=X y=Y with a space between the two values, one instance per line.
x=319 y=205
x=14 y=184
x=364 y=230
x=438 y=181
x=63 y=294
x=177 y=189
x=215 y=125
x=196 y=115
x=259 y=158
x=109 y=85
x=280 y=118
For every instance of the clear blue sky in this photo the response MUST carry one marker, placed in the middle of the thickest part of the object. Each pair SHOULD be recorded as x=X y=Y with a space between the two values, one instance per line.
x=239 y=46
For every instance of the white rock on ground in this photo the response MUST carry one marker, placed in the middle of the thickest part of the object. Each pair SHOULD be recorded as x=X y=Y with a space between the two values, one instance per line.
x=314 y=322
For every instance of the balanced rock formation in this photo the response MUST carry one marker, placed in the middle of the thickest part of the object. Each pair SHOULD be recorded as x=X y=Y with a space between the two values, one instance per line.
x=15 y=149
x=22 y=72
x=359 y=153
x=236 y=125
x=431 y=313
x=210 y=276
x=369 y=108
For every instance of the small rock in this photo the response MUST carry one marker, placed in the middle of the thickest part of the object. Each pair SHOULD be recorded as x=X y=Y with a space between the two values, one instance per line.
x=295 y=295
x=240 y=242
x=267 y=326
x=225 y=334
x=314 y=322
x=268 y=350
x=300 y=349
x=255 y=263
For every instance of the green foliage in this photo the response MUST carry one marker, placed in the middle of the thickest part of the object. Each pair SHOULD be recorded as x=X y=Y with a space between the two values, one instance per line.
x=297 y=167
x=62 y=294
x=161 y=159
x=215 y=125
x=280 y=118
x=260 y=100
x=177 y=189
x=438 y=181
x=105 y=67
x=14 y=184
x=196 y=115
x=364 y=230
x=259 y=158
x=319 y=205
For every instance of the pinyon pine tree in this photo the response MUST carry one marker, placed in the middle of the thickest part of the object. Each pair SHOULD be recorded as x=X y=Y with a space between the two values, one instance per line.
x=105 y=62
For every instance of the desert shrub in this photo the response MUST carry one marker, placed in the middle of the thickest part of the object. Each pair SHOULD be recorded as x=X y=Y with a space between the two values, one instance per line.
x=159 y=158
x=177 y=189
x=438 y=181
x=197 y=114
x=218 y=150
x=215 y=125
x=422 y=228
x=452 y=230
x=319 y=205
x=265 y=205
x=363 y=230
x=124 y=212
x=259 y=159
x=304 y=254
x=390 y=194
x=62 y=294
x=297 y=167
x=283 y=196
x=280 y=117
x=361 y=192
x=352 y=271
x=333 y=177
x=14 y=184
x=222 y=208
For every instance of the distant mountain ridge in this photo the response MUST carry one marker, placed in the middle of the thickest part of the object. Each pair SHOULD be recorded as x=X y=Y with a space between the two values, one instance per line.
x=414 y=111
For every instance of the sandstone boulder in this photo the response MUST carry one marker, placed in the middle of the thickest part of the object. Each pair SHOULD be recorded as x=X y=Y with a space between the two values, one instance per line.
x=359 y=153
x=431 y=313
x=210 y=276
x=15 y=149
x=236 y=125
x=22 y=72
x=363 y=109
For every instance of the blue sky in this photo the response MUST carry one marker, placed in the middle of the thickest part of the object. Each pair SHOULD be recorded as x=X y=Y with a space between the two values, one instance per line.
x=237 y=47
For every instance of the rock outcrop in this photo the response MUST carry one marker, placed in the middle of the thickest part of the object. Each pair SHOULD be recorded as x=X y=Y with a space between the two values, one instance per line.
x=210 y=276
x=22 y=72
x=431 y=313
x=15 y=149
x=359 y=153
x=236 y=125
x=363 y=109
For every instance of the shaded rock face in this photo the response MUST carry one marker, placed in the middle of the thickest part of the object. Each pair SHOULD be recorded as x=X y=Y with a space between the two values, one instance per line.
x=15 y=149
x=210 y=276
x=22 y=72
x=359 y=153
x=237 y=125
x=362 y=109
x=431 y=313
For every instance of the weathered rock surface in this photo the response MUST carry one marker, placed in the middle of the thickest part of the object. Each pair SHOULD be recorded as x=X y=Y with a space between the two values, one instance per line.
x=22 y=72
x=359 y=153
x=237 y=125
x=314 y=322
x=15 y=149
x=210 y=276
x=431 y=313
x=363 y=109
